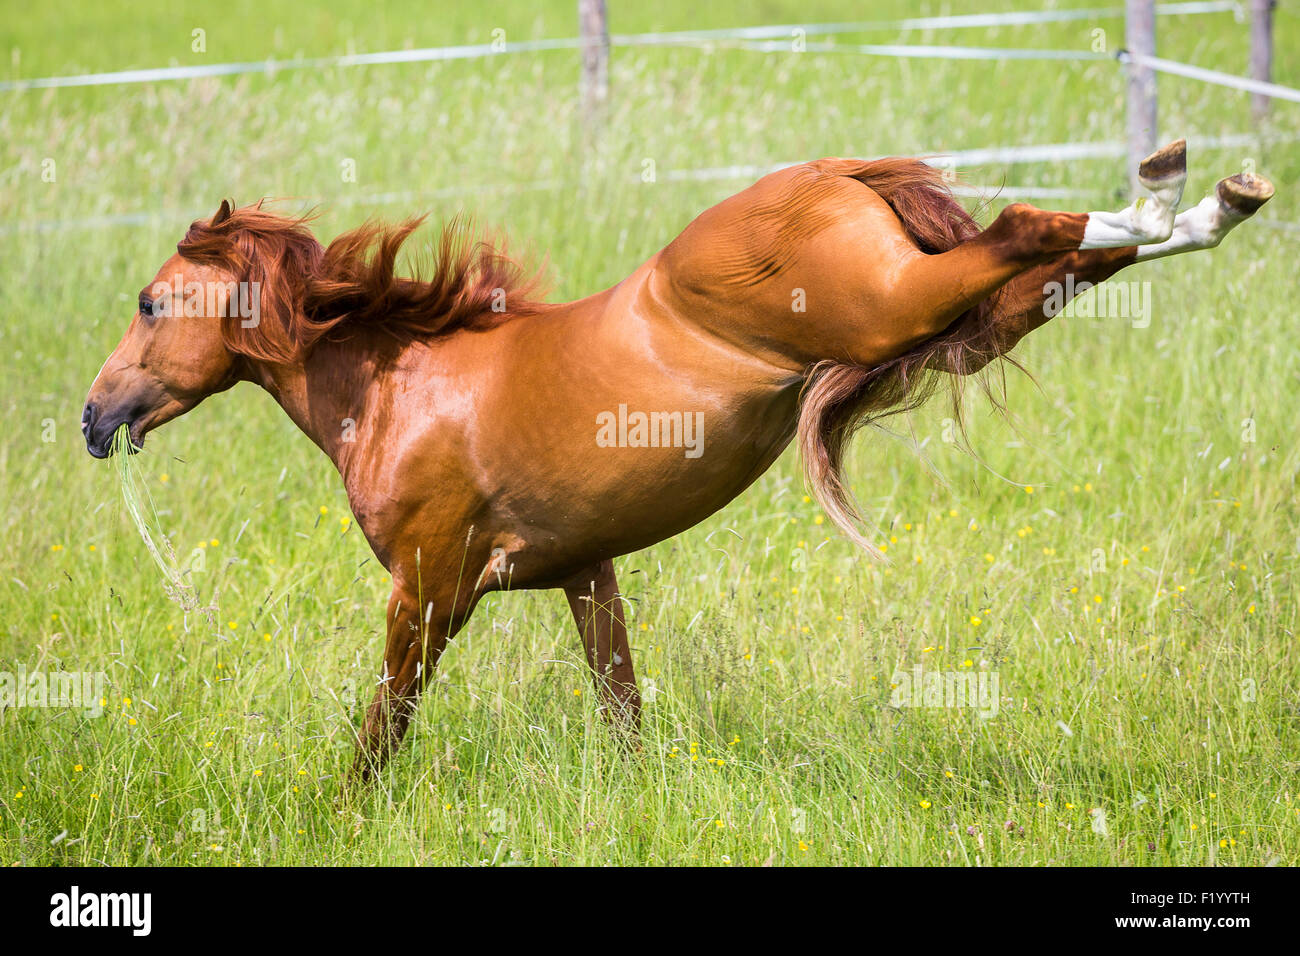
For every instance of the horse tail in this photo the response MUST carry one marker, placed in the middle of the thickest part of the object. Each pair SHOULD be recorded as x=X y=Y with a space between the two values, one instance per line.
x=838 y=398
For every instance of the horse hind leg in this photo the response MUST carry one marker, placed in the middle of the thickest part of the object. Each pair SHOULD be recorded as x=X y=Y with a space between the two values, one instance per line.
x=1235 y=200
x=935 y=290
x=1036 y=296
x=1148 y=219
x=598 y=612
x=1156 y=227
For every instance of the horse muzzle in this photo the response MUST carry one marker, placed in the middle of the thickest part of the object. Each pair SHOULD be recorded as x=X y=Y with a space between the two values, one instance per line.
x=98 y=426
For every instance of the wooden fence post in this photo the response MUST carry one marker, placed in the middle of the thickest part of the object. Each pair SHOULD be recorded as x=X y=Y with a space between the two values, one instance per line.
x=593 y=28
x=1140 y=37
x=1261 y=51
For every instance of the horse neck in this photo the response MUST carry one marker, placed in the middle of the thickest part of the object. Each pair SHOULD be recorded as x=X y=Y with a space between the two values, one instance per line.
x=323 y=396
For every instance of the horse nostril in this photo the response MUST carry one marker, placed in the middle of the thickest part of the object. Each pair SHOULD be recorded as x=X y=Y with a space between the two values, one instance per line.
x=87 y=418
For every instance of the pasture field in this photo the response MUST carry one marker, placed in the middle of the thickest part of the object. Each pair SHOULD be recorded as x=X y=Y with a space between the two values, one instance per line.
x=1117 y=559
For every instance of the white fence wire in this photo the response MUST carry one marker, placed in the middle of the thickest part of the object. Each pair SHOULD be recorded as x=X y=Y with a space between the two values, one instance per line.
x=959 y=159
x=737 y=36
x=759 y=39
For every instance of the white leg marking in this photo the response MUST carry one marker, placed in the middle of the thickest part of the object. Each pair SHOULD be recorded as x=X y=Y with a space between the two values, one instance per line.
x=1201 y=227
x=1147 y=220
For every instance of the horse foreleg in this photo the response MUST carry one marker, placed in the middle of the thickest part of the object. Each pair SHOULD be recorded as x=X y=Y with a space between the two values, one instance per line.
x=598 y=612
x=416 y=639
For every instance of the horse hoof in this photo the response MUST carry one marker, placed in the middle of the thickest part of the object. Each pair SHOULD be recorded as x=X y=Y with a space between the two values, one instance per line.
x=1167 y=162
x=1244 y=193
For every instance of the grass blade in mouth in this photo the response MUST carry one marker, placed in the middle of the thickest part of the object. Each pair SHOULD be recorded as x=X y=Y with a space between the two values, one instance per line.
x=144 y=514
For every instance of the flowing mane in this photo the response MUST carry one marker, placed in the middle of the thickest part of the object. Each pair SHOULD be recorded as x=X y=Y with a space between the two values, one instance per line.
x=309 y=292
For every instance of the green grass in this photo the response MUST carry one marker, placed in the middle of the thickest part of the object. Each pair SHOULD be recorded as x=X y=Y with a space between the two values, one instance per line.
x=1138 y=607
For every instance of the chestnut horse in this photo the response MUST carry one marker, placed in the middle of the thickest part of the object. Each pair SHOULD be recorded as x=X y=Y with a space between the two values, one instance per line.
x=488 y=440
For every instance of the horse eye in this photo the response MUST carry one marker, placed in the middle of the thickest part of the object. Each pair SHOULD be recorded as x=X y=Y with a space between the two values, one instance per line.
x=146 y=308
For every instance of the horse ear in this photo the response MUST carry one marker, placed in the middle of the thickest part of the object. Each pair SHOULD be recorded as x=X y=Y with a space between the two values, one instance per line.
x=222 y=214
